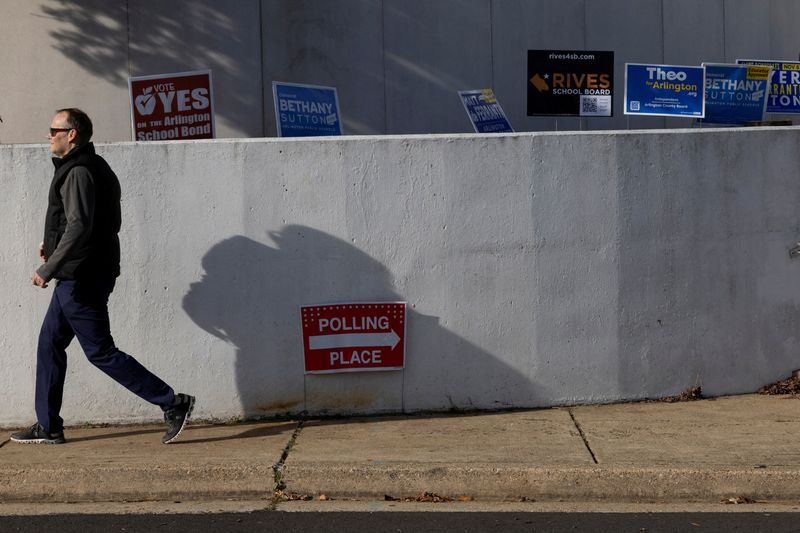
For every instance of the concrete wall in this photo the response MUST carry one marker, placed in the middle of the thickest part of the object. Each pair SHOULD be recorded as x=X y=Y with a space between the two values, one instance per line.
x=639 y=265
x=48 y=64
x=396 y=63
x=65 y=53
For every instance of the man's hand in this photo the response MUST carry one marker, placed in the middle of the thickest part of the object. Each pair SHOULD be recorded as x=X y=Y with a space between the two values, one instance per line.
x=37 y=280
x=41 y=251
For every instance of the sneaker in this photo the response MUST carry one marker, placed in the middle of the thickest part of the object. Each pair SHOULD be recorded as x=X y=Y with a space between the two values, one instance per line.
x=177 y=416
x=37 y=435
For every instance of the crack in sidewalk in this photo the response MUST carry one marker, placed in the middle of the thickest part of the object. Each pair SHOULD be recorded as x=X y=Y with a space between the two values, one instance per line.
x=277 y=481
x=583 y=435
x=3 y=443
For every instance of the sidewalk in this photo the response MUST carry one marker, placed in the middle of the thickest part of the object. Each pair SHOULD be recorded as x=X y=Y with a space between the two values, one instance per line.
x=705 y=451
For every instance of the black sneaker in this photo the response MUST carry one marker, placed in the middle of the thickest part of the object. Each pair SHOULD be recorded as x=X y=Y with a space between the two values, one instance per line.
x=37 y=435
x=177 y=416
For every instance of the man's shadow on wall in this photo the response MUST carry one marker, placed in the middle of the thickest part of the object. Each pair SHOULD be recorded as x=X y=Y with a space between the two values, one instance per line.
x=250 y=295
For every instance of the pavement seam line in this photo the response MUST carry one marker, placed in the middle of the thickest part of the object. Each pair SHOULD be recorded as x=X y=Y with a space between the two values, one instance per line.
x=3 y=443
x=277 y=468
x=583 y=435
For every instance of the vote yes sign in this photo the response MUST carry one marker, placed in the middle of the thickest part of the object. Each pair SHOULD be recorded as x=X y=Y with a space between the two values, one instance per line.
x=354 y=337
x=172 y=106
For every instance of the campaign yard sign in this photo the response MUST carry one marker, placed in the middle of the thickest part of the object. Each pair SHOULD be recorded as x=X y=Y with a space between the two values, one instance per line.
x=664 y=90
x=577 y=83
x=354 y=337
x=484 y=111
x=784 y=91
x=306 y=110
x=735 y=94
x=172 y=106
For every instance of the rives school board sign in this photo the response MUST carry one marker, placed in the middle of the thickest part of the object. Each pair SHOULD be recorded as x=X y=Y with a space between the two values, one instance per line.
x=784 y=91
x=735 y=94
x=664 y=90
x=577 y=83
x=172 y=106
x=353 y=337
x=306 y=110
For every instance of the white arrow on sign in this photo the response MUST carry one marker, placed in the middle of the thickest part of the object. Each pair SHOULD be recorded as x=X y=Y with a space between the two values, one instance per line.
x=353 y=340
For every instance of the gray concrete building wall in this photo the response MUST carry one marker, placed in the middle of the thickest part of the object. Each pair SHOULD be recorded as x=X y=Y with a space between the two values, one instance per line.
x=306 y=41
x=693 y=40
x=635 y=32
x=47 y=63
x=640 y=265
x=747 y=30
x=397 y=64
x=556 y=25
x=224 y=37
x=430 y=48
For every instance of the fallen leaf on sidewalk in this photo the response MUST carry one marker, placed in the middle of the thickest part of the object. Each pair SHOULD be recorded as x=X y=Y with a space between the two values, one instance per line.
x=324 y=498
x=695 y=524
x=293 y=496
x=428 y=497
x=388 y=498
x=737 y=500
x=690 y=394
x=466 y=499
x=790 y=385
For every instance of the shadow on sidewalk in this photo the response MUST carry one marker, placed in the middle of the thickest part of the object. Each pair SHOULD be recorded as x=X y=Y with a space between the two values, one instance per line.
x=114 y=435
x=193 y=434
x=189 y=435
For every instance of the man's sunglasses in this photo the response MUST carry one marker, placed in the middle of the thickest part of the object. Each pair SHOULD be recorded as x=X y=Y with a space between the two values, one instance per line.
x=53 y=131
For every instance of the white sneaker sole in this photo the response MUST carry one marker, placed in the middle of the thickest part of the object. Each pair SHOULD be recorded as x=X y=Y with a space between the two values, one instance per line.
x=36 y=441
x=185 y=420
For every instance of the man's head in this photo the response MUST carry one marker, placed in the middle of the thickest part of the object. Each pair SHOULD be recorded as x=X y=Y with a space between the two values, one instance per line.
x=69 y=129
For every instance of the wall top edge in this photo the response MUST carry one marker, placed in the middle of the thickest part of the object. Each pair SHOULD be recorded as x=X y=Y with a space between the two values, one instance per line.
x=436 y=137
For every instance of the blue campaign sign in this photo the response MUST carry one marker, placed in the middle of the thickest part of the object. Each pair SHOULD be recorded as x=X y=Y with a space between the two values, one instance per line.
x=485 y=112
x=735 y=94
x=664 y=90
x=784 y=91
x=306 y=110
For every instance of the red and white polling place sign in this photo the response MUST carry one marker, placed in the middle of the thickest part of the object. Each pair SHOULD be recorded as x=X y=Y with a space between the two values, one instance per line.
x=172 y=106
x=354 y=337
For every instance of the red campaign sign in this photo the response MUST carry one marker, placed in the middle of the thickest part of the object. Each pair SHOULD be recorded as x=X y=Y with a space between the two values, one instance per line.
x=354 y=337
x=172 y=106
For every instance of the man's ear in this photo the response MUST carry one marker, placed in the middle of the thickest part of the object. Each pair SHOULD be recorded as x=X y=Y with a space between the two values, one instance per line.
x=72 y=135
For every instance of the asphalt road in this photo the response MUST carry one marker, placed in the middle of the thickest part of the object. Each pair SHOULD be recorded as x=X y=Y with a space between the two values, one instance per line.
x=351 y=522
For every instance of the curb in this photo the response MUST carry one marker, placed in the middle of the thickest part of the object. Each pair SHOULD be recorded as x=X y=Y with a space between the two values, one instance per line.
x=125 y=483
x=490 y=482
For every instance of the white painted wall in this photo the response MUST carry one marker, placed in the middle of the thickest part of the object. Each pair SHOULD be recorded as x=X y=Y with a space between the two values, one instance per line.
x=397 y=64
x=540 y=269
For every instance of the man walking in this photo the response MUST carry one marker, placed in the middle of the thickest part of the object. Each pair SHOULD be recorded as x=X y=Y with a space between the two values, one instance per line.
x=81 y=251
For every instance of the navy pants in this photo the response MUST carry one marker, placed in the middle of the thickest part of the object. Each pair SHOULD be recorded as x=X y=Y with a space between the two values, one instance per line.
x=79 y=308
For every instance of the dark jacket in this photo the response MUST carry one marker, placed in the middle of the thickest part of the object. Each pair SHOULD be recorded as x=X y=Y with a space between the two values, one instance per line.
x=83 y=218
